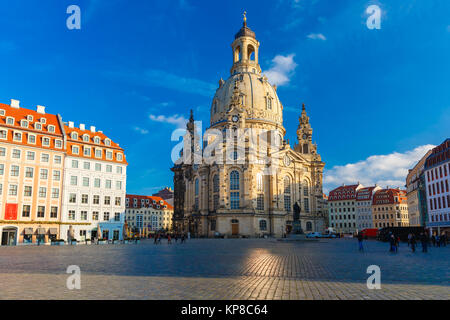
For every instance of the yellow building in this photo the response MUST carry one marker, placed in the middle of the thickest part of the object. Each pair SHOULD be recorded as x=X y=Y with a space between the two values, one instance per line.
x=390 y=208
x=31 y=174
x=248 y=181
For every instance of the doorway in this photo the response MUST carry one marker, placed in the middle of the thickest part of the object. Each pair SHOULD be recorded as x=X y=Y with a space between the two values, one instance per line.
x=9 y=236
x=234 y=227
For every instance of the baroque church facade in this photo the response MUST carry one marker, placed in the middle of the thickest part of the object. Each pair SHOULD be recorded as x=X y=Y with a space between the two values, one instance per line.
x=249 y=196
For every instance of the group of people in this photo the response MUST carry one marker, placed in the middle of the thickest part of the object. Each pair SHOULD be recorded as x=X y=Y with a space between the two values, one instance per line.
x=394 y=241
x=175 y=236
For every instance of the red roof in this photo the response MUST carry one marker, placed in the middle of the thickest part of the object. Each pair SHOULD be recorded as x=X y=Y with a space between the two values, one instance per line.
x=343 y=193
x=364 y=194
x=387 y=196
x=144 y=204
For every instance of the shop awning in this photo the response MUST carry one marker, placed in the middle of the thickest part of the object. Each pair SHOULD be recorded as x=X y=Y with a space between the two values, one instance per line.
x=41 y=231
x=53 y=231
x=27 y=231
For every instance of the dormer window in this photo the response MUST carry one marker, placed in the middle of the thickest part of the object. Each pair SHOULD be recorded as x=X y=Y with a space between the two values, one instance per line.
x=107 y=142
x=75 y=149
x=58 y=144
x=51 y=128
x=3 y=134
x=43 y=120
x=2 y=112
x=74 y=136
x=86 y=138
x=119 y=157
x=30 y=118
x=10 y=121
x=24 y=123
x=37 y=126
x=97 y=140
x=98 y=153
x=87 y=151
x=18 y=136
x=268 y=103
x=109 y=155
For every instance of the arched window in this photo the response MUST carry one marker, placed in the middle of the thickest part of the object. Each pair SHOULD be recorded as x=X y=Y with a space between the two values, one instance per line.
x=196 y=190
x=305 y=148
x=216 y=188
x=287 y=194
x=251 y=52
x=260 y=191
x=237 y=54
x=74 y=136
x=262 y=225
x=234 y=185
x=234 y=180
x=308 y=226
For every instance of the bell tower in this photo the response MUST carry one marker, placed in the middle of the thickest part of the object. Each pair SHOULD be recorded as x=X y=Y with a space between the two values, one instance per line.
x=304 y=134
x=245 y=50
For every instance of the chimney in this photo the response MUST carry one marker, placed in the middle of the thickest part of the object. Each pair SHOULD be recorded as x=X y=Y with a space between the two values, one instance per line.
x=71 y=124
x=92 y=129
x=40 y=109
x=99 y=131
x=15 y=103
x=82 y=126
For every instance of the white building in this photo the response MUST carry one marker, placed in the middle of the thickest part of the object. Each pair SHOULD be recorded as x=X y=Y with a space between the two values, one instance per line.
x=94 y=184
x=437 y=173
x=364 y=196
x=148 y=213
x=342 y=208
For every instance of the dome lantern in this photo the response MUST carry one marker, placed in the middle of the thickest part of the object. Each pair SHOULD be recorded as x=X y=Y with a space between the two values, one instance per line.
x=245 y=50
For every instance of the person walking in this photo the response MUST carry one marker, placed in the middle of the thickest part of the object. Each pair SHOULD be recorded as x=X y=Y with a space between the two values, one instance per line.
x=182 y=238
x=438 y=240
x=424 y=241
x=413 y=243
x=433 y=240
x=409 y=238
x=392 y=243
x=169 y=239
x=155 y=239
x=360 y=241
x=444 y=239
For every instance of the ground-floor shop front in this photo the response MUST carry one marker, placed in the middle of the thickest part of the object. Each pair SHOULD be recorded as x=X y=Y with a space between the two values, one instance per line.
x=28 y=234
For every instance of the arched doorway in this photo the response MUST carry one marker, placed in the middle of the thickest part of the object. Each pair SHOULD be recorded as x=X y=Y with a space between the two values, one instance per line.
x=234 y=227
x=9 y=236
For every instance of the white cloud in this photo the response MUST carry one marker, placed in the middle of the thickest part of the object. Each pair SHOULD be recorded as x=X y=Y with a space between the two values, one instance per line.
x=140 y=130
x=282 y=69
x=176 y=119
x=385 y=170
x=316 y=36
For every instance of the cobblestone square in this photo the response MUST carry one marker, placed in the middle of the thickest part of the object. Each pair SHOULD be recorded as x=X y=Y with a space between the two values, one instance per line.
x=225 y=269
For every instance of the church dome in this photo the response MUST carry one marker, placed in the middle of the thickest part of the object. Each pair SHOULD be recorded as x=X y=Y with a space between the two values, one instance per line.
x=258 y=98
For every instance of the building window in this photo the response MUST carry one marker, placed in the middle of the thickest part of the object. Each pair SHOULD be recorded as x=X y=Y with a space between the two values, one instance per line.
x=29 y=172
x=105 y=216
x=97 y=182
x=73 y=180
x=18 y=136
x=2 y=169
x=119 y=170
x=118 y=201
x=26 y=209
x=308 y=226
x=262 y=225
x=306 y=204
x=14 y=171
x=12 y=190
x=72 y=198
x=96 y=199
x=260 y=201
x=83 y=215
x=27 y=192
x=3 y=134
x=57 y=159
x=287 y=194
x=86 y=165
x=95 y=215
x=58 y=144
x=87 y=151
x=85 y=182
x=43 y=174
x=42 y=192
x=117 y=216
x=108 y=184
x=16 y=154
x=108 y=168
x=84 y=199
x=54 y=212
x=41 y=212
x=31 y=138
x=234 y=200
x=30 y=155
x=119 y=185
x=109 y=155
x=75 y=164
x=71 y=215
x=56 y=175
x=46 y=142
x=98 y=153
x=107 y=200
x=55 y=193
x=119 y=157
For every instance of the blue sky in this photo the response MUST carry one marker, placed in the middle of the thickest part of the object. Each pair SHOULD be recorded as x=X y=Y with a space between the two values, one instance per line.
x=136 y=68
